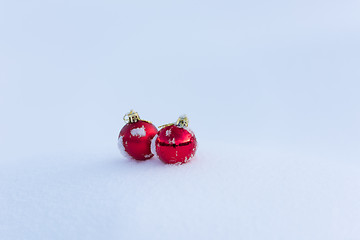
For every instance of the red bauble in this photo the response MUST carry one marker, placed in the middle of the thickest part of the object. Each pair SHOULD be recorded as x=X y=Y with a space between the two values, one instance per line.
x=135 y=138
x=175 y=144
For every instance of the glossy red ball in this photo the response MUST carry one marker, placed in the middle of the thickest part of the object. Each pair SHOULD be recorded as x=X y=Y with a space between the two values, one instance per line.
x=135 y=139
x=174 y=144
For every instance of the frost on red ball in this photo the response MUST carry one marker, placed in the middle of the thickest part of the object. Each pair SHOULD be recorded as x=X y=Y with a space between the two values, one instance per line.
x=175 y=145
x=135 y=139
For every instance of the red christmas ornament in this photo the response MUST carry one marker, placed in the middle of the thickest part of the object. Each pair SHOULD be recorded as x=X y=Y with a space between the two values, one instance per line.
x=135 y=137
x=175 y=143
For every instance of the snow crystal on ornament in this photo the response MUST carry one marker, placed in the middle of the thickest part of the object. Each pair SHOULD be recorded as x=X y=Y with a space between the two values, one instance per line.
x=168 y=132
x=139 y=132
x=172 y=141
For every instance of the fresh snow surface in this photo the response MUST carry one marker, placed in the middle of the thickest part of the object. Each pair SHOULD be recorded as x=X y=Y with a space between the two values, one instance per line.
x=227 y=191
x=271 y=89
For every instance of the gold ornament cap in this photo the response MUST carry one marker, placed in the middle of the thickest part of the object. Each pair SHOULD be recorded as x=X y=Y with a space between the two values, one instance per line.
x=182 y=121
x=131 y=117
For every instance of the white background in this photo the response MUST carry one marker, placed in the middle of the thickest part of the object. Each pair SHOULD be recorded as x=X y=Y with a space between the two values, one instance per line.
x=271 y=89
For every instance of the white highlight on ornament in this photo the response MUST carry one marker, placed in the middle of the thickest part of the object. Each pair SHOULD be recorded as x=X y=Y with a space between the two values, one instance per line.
x=189 y=130
x=139 y=132
x=168 y=132
x=122 y=148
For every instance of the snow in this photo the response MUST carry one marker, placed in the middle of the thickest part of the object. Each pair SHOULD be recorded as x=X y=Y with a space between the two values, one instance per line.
x=138 y=132
x=266 y=193
x=122 y=148
x=271 y=89
x=153 y=146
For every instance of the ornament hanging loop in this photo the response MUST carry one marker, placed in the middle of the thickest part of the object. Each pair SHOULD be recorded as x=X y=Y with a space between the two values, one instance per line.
x=131 y=117
x=165 y=125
